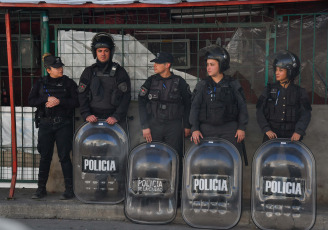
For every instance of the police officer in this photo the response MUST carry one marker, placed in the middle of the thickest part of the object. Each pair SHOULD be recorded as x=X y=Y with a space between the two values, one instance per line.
x=164 y=107
x=219 y=107
x=104 y=92
x=55 y=97
x=104 y=88
x=284 y=110
x=164 y=102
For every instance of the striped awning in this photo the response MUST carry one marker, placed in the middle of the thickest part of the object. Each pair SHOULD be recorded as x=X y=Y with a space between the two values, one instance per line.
x=137 y=3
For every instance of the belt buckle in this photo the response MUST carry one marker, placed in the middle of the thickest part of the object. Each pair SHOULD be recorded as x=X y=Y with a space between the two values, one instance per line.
x=57 y=120
x=162 y=106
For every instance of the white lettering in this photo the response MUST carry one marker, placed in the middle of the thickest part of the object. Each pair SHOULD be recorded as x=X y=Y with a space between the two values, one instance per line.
x=210 y=185
x=150 y=185
x=267 y=185
x=112 y=166
x=274 y=186
x=103 y=165
x=99 y=165
x=206 y=187
x=201 y=184
x=298 y=189
x=224 y=186
x=196 y=184
x=279 y=188
x=215 y=187
x=86 y=164
x=288 y=189
x=91 y=165
x=283 y=187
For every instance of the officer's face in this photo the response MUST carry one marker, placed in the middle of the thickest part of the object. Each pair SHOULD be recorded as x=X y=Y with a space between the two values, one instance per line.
x=281 y=74
x=212 y=67
x=103 y=54
x=161 y=68
x=55 y=72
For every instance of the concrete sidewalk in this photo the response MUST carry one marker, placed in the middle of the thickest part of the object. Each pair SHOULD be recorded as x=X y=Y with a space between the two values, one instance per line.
x=22 y=206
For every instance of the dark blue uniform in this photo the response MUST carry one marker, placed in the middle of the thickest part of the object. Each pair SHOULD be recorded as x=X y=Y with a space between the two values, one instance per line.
x=105 y=92
x=283 y=110
x=55 y=124
x=164 y=103
x=219 y=109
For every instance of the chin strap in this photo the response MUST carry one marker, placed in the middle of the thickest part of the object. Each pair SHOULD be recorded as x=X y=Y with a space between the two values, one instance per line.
x=285 y=83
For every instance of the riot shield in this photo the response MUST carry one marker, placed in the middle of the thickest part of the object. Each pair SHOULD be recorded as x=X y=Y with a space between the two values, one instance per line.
x=212 y=185
x=99 y=163
x=151 y=195
x=283 y=186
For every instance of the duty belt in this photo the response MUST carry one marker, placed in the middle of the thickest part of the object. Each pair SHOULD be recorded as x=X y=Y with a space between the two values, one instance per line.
x=282 y=126
x=54 y=120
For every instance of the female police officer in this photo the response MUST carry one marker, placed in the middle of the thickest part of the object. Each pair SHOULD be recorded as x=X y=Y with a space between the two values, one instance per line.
x=218 y=108
x=55 y=97
x=284 y=110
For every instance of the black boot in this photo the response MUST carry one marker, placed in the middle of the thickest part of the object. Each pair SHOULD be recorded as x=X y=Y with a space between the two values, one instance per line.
x=44 y=169
x=68 y=194
x=41 y=191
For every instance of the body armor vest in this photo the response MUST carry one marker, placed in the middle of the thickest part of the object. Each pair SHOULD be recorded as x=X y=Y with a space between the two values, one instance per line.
x=220 y=104
x=56 y=89
x=103 y=86
x=165 y=99
x=283 y=106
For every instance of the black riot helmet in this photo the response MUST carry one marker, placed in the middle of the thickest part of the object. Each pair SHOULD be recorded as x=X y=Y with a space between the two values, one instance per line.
x=217 y=53
x=289 y=61
x=102 y=40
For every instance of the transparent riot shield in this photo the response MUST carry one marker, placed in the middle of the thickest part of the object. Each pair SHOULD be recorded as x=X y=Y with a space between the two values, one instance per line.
x=212 y=185
x=151 y=195
x=283 y=186
x=99 y=163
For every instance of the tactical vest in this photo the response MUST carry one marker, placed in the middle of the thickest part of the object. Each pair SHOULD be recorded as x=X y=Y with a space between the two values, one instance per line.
x=220 y=103
x=103 y=86
x=283 y=108
x=56 y=89
x=165 y=100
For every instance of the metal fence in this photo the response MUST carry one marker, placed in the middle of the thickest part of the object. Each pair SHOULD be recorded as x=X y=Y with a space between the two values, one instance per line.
x=251 y=35
x=25 y=51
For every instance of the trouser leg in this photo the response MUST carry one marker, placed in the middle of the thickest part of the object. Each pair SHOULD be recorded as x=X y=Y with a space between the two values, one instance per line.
x=46 y=139
x=174 y=137
x=64 y=138
x=170 y=132
x=124 y=124
x=45 y=147
x=157 y=130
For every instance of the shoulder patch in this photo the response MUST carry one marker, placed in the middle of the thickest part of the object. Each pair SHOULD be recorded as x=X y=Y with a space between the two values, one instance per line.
x=82 y=87
x=143 y=91
x=123 y=87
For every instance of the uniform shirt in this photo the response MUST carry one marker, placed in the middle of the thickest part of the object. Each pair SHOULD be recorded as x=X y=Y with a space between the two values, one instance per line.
x=185 y=95
x=198 y=100
x=35 y=99
x=304 y=112
x=120 y=111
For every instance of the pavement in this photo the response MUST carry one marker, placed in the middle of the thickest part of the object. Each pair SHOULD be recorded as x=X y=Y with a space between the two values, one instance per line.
x=51 y=207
